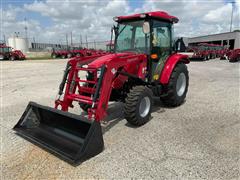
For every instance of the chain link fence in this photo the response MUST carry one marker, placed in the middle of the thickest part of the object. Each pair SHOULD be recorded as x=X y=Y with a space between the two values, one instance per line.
x=38 y=47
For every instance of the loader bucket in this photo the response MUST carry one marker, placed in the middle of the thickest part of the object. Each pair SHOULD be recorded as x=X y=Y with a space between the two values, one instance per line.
x=71 y=137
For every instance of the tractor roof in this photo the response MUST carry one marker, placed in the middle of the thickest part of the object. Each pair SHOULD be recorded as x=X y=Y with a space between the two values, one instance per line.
x=156 y=14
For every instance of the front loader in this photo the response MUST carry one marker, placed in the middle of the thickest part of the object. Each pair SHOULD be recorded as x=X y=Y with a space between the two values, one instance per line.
x=143 y=64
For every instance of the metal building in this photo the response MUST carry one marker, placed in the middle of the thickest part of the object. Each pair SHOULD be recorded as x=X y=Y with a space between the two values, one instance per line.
x=229 y=39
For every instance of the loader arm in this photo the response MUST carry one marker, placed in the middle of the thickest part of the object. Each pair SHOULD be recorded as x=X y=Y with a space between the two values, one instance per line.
x=101 y=91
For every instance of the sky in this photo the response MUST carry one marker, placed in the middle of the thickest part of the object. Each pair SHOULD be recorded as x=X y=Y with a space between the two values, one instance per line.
x=48 y=21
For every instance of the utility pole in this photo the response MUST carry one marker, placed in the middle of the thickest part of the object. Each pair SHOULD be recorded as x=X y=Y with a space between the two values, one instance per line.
x=81 y=40
x=86 y=42
x=95 y=45
x=67 y=39
x=4 y=38
x=71 y=39
x=25 y=28
x=231 y=17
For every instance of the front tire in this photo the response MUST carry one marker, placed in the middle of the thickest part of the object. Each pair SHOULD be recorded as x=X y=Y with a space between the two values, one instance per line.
x=138 y=105
x=1 y=57
x=205 y=58
x=176 y=90
x=54 y=56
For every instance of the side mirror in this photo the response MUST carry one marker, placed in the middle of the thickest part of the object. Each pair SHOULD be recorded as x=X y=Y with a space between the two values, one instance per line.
x=146 y=27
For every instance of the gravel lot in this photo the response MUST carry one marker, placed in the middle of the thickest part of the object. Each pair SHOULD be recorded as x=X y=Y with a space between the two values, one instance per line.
x=198 y=140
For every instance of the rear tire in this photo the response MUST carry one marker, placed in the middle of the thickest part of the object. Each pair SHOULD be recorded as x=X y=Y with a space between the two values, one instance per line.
x=138 y=105
x=176 y=90
x=12 y=58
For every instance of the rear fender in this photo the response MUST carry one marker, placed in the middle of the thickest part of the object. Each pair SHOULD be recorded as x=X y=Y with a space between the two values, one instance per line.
x=170 y=65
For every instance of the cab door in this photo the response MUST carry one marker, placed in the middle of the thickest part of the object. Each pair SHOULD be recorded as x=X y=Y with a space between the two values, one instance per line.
x=161 y=39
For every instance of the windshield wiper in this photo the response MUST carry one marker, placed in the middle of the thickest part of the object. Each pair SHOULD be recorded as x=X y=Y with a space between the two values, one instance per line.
x=122 y=30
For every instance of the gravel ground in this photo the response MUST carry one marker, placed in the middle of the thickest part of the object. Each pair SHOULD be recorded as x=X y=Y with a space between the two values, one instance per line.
x=198 y=140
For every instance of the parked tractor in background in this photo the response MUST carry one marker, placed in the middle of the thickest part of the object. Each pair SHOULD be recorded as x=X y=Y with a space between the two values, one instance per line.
x=215 y=50
x=234 y=55
x=201 y=51
x=144 y=64
x=206 y=51
x=76 y=52
x=59 y=53
x=8 y=53
x=223 y=54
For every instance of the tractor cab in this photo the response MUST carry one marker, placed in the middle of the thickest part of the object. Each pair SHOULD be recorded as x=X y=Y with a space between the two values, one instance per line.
x=148 y=33
x=5 y=52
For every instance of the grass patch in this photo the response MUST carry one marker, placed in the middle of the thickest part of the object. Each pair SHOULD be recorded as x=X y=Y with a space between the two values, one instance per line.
x=39 y=58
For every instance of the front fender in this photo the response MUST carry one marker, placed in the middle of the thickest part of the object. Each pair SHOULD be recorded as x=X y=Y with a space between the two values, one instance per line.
x=170 y=65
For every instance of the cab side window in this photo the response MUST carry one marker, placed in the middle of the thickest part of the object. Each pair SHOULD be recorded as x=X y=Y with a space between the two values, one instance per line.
x=161 y=37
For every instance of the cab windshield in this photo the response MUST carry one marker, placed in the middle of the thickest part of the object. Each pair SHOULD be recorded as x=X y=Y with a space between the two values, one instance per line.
x=131 y=38
x=5 y=49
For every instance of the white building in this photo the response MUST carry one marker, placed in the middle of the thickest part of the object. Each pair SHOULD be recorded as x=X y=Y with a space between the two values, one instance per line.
x=18 y=43
x=230 y=39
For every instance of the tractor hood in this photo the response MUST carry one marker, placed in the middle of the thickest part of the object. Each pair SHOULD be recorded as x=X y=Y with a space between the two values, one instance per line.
x=97 y=63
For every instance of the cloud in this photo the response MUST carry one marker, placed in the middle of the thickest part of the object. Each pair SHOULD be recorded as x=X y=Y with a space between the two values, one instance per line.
x=196 y=17
x=94 y=17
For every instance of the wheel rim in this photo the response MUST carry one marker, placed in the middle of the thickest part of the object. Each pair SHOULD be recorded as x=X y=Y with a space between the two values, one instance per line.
x=144 y=106
x=181 y=84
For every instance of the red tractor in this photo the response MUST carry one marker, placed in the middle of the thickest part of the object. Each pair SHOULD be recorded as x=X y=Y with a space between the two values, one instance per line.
x=143 y=64
x=59 y=53
x=223 y=53
x=234 y=55
x=201 y=51
x=8 y=53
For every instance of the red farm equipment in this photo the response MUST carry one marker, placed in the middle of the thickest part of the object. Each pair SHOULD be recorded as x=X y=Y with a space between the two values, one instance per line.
x=76 y=52
x=9 y=53
x=223 y=53
x=144 y=64
x=234 y=55
x=59 y=53
x=207 y=51
x=201 y=51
